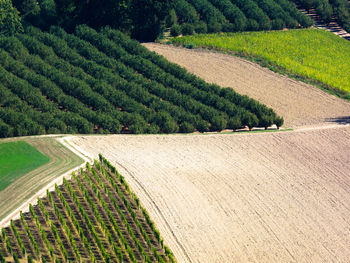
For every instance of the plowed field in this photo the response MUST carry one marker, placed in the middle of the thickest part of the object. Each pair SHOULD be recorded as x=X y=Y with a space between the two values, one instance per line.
x=300 y=104
x=268 y=197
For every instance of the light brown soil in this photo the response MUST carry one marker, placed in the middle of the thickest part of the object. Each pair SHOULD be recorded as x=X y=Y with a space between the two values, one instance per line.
x=300 y=104
x=262 y=197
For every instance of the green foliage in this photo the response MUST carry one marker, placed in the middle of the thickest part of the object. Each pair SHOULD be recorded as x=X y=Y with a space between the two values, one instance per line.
x=301 y=52
x=187 y=29
x=104 y=82
x=148 y=17
x=171 y=18
x=339 y=9
x=16 y=159
x=240 y=15
x=10 y=22
x=175 y=30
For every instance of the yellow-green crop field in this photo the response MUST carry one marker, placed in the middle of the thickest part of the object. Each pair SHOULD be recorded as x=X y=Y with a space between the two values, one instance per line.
x=312 y=53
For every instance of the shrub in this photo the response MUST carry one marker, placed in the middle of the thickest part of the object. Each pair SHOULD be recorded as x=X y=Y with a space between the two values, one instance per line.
x=201 y=27
x=175 y=30
x=279 y=122
x=187 y=29
x=277 y=24
x=218 y=123
x=234 y=123
x=171 y=19
x=214 y=27
x=186 y=128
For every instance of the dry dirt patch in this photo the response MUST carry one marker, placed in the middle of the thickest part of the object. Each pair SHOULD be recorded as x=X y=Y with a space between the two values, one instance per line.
x=269 y=197
x=300 y=104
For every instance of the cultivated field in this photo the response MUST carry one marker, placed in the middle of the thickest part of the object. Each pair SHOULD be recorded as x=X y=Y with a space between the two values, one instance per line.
x=267 y=197
x=299 y=104
x=17 y=159
x=91 y=218
x=313 y=53
x=24 y=188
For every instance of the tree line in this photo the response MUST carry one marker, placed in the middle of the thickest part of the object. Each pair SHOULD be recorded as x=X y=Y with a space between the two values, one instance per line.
x=327 y=9
x=105 y=82
x=202 y=16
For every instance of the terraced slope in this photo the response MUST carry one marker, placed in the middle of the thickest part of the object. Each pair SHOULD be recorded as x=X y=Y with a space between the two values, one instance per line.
x=263 y=197
x=92 y=218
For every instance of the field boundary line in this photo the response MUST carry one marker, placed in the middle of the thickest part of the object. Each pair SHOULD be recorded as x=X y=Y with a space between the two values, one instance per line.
x=51 y=186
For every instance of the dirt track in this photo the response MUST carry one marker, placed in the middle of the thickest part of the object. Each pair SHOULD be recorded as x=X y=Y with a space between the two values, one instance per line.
x=26 y=189
x=300 y=104
x=268 y=197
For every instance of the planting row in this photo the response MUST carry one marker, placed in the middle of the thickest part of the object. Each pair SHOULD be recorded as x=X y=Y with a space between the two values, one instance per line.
x=202 y=16
x=94 y=217
x=105 y=82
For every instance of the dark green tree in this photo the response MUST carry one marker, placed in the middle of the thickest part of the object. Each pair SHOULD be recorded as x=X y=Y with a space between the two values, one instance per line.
x=10 y=22
x=148 y=17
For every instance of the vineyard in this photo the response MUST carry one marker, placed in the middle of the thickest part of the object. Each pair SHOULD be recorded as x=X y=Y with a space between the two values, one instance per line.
x=92 y=218
x=104 y=82
x=202 y=16
x=309 y=54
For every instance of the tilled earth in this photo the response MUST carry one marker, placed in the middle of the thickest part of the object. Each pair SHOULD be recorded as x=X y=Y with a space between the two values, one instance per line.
x=300 y=104
x=261 y=197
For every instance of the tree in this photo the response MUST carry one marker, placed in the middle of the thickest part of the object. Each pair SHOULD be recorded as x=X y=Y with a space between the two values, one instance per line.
x=97 y=13
x=10 y=22
x=148 y=18
x=175 y=30
x=187 y=29
x=27 y=7
x=279 y=122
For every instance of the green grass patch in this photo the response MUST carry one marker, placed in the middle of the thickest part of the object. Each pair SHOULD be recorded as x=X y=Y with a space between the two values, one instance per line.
x=307 y=54
x=17 y=159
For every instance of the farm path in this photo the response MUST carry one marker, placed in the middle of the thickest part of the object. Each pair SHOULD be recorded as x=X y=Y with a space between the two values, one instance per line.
x=26 y=189
x=300 y=104
x=261 y=197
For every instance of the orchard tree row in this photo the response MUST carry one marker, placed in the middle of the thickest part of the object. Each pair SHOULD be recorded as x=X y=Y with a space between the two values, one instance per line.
x=327 y=9
x=202 y=16
x=105 y=82
x=147 y=20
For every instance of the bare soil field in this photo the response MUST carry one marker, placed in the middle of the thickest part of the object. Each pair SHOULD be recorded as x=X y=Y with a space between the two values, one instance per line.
x=300 y=104
x=261 y=197
x=29 y=187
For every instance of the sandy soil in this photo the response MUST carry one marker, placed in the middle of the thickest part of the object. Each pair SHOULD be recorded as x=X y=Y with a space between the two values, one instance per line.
x=300 y=104
x=262 y=197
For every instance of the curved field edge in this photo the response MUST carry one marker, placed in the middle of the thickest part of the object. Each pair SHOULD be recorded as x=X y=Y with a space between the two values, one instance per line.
x=30 y=186
x=104 y=82
x=93 y=216
x=255 y=46
x=267 y=197
x=17 y=159
x=300 y=104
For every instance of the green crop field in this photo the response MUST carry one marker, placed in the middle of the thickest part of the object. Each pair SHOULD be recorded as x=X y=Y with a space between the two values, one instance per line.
x=16 y=159
x=315 y=54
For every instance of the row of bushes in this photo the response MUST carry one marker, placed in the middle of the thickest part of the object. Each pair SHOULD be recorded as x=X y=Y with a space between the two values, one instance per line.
x=327 y=9
x=202 y=16
x=105 y=82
